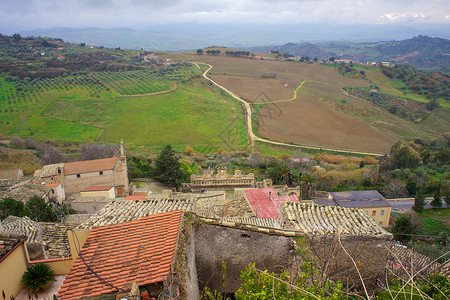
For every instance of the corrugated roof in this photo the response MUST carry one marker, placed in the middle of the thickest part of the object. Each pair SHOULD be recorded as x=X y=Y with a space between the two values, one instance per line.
x=359 y=199
x=265 y=202
x=140 y=251
x=90 y=165
x=98 y=188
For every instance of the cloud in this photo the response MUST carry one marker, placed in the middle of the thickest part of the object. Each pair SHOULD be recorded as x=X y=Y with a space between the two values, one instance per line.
x=30 y=14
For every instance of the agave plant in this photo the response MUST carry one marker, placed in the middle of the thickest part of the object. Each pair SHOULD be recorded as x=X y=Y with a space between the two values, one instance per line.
x=37 y=277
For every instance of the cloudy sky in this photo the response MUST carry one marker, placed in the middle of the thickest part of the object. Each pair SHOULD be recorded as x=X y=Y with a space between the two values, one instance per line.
x=142 y=14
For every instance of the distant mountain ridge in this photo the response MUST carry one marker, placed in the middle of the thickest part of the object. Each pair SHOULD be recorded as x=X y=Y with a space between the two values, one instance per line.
x=422 y=52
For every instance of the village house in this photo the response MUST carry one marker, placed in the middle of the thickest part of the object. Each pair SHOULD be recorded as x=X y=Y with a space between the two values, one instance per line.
x=56 y=193
x=106 y=191
x=76 y=176
x=13 y=263
x=139 y=252
x=371 y=201
x=25 y=191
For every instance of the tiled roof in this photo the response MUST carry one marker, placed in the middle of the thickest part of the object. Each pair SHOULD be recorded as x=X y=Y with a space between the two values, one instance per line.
x=140 y=251
x=76 y=219
x=98 y=188
x=265 y=202
x=359 y=199
x=403 y=259
x=119 y=211
x=8 y=241
x=136 y=197
x=237 y=208
x=323 y=220
x=51 y=235
x=52 y=184
x=90 y=165
x=48 y=170
x=26 y=191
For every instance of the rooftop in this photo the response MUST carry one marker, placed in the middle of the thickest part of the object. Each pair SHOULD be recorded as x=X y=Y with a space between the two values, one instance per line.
x=359 y=199
x=266 y=202
x=26 y=191
x=324 y=220
x=8 y=241
x=52 y=184
x=90 y=165
x=98 y=188
x=140 y=251
x=119 y=211
x=48 y=170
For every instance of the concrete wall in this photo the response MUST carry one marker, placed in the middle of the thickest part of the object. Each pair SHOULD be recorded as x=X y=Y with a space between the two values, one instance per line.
x=238 y=248
x=11 y=271
x=107 y=194
x=74 y=185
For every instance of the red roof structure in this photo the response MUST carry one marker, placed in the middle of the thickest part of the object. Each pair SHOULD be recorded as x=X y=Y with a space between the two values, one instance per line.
x=140 y=251
x=135 y=197
x=97 y=188
x=52 y=184
x=266 y=202
x=90 y=165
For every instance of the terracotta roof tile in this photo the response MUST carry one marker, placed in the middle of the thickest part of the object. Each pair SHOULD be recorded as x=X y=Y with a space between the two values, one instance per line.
x=90 y=166
x=266 y=202
x=140 y=251
x=52 y=184
x=98 y=188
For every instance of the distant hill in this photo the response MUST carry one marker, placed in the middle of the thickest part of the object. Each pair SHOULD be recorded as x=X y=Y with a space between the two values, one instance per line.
x=422 y=52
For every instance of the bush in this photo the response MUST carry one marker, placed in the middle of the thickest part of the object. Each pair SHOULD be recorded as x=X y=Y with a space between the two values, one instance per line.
x=37 y=277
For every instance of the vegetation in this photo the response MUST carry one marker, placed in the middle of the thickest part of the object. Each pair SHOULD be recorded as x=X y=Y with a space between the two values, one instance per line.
x=11 y=207
x=167 y=168
x=37 y=277
x=403 y=229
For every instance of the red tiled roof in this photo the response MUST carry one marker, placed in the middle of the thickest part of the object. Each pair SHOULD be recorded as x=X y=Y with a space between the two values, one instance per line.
x=97 y=188
x=140 y=251
x=265 y=208
x=135 y=197
x=52 y=184
x=90 y=166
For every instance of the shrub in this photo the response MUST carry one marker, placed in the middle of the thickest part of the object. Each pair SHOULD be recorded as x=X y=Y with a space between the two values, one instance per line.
x=37 y=277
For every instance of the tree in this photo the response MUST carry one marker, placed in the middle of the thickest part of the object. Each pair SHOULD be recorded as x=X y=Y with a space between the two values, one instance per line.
x=419 y=201
x=37 y=277
x=97 y=151
x=403 y=229
x=12 y=207
x=49 y=154
x=199 y=51
x=39 y=210
x=437 y=201
x=316 y=59
x=309 y=180
x=168 y=169
x=17 y=37
x=332 y=59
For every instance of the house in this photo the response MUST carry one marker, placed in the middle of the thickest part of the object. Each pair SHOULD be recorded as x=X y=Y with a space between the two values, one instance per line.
x=266 y=202
x=14 y=174
x=221 y=180
x=76 y=176
x=26 y=191
x=106 y=191
x=141 y=251
x=57 y=192
x=371 y=201
x=13 y=263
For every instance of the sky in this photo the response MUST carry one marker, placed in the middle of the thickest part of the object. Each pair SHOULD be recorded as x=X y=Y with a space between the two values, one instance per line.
x=18 y=15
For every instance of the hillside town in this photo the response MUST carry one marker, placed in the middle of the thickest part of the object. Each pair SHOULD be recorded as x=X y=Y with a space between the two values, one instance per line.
x=119 y=241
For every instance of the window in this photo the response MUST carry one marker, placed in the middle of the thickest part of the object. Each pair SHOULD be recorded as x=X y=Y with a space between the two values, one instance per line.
x=100 y=173
x=382 y=213
x=78 y=176
x=59 y=171
x=381 y=223
x=374 y=213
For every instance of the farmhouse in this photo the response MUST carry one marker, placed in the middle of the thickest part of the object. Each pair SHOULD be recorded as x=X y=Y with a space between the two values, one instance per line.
x=371 y=201
x=57 y=192
x=76 y=176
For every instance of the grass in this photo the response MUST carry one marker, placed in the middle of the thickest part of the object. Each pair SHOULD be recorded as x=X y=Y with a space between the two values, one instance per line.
x=435 y=221
x=195 y=114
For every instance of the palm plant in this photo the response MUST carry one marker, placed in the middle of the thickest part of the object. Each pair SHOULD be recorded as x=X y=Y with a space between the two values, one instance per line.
x=37 y=277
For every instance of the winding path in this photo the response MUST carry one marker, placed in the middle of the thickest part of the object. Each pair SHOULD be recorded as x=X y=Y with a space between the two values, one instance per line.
x=253 y=137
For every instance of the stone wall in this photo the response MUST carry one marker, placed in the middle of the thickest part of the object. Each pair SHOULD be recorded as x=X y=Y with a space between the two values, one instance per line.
x=237 y=248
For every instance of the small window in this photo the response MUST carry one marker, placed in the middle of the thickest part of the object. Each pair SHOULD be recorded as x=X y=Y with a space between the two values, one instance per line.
x=374 y=213
x=78 y=176
x=381 y=223
x=382 y=213
x=59 y=171
x=100 y=173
